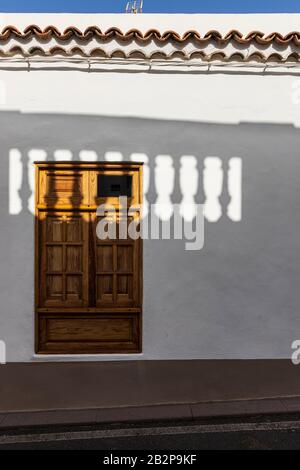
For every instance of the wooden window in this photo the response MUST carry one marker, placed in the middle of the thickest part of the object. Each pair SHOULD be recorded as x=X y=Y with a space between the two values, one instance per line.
x=88 y=290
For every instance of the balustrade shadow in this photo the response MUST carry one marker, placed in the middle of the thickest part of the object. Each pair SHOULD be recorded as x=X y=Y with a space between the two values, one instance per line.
x=236 y=298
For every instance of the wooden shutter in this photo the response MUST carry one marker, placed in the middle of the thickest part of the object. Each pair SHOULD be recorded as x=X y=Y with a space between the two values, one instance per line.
x=117 y=271
x=64 y=259
x=88 y=290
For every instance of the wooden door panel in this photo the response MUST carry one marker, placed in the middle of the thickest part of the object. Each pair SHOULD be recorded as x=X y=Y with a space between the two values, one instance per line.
x=67 y=188
x=74 y=229
x=105 y=258
x=104 y=290
x=54 y=229
x=74 y=258
x=54 y=289
x=125 y=294
x=125 y=258
x=74 y=288
x=88 y=333
x=54 y=255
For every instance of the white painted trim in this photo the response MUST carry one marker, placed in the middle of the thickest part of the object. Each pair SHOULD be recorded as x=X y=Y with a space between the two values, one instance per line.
x=147 y=65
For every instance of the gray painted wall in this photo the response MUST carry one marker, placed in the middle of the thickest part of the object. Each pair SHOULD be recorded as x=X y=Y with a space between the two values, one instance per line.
x=238 y=297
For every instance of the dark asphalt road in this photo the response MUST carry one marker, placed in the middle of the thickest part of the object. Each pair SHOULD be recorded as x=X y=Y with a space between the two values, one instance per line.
x=273 y=434
x=230 y=441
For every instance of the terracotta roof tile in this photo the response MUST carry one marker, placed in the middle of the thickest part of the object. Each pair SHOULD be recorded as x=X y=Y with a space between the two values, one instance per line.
x=70 y=32
x=72 y=41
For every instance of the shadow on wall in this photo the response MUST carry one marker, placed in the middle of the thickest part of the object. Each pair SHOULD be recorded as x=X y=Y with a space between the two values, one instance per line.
x=199 y=178
x=248 y=176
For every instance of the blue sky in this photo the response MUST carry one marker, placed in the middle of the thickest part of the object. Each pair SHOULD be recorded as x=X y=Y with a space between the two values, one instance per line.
x=152 y=6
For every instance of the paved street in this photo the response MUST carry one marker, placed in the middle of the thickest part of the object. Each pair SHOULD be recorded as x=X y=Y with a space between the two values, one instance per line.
x=264 y=433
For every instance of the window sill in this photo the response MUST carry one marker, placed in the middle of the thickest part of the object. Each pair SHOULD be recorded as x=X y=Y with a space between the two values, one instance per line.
x=86 y=357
